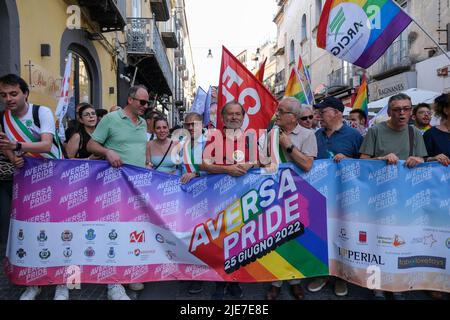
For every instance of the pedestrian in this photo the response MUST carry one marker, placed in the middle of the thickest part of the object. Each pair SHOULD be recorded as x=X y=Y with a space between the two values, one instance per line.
x=235 y=164
x=357 y=119
x=437 y=139
x=150 y=116
x=100 y=114
x=77 y=145
x=21 y=121
x=337 y=141
x=306 y=119
x=161 y=151
x=392 y=141
x=299 y=146
x=121 y=138
x=422 y=117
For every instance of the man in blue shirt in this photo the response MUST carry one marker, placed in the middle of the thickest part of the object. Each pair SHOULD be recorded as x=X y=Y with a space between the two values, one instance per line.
x=335 y=140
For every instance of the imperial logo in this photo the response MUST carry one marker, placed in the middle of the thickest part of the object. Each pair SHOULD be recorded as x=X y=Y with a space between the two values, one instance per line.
x=137 y=237
x=360 y=257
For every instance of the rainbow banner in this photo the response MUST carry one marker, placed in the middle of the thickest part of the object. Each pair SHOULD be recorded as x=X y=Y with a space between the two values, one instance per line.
x=361 y=101
x=360 y=31
x=294 y=88
x=303 y=74
x=132 y=224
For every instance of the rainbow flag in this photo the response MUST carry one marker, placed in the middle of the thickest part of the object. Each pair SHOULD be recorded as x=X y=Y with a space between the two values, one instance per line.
x=294 y=88
x=360 y=31
x=361 y=101
x=306 y=81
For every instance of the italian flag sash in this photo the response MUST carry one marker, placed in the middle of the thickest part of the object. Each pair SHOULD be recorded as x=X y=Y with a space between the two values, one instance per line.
x=16 y=130
x=188 y=159
x=276 y=153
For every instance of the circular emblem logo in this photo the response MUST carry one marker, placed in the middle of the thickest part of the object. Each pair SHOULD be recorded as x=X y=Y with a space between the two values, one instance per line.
x=111 y=253
x=113 y=235
x=44 y=254
x=447 y=243
x=67 y=252
x=20 y=235
x=238 y=156
x=137 y=252
x=89 y=252
x=66 y=235
x=29 y=123
x=21 y=253
x=90 y=234
x=159 y=238
x=42 y=237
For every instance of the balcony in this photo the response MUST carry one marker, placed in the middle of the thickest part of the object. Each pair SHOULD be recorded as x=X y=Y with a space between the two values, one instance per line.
x=147 y=52
x=395 y=60
x=109 y=14
x=280 y=84
x=160 y=9
x=341 y=78
x=168 y=31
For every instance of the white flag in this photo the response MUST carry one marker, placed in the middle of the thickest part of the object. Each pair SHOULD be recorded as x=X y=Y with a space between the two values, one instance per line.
x=63 y=102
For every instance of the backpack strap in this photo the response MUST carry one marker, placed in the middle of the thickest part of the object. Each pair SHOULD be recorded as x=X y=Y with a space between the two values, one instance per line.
x=36 y=120
x=411 y=140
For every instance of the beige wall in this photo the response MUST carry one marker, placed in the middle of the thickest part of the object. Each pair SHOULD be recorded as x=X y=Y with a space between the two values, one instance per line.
x=35 y=29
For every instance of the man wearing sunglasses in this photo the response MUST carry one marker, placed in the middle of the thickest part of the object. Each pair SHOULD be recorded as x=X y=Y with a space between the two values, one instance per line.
x=306 y=119
x=121 y=137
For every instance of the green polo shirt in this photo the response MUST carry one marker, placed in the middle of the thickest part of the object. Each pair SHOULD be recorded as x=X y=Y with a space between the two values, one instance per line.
x=117 y=132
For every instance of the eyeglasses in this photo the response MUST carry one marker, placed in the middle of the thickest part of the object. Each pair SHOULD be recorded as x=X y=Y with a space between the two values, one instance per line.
x=307 y=117
x=404 y=109
x=280 y=111
x=142 y=102
x=89 y=114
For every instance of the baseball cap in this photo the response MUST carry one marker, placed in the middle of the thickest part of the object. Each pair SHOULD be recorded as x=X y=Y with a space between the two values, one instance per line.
x=330 y=102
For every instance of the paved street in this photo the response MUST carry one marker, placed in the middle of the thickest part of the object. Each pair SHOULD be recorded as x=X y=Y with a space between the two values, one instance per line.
x=177 y=290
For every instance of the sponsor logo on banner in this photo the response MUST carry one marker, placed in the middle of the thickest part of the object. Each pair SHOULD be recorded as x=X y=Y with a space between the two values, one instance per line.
x=343 y=234
x=160 y=238
x=113 y=235
x=20 y=235
x=137 y=237
x=67 y=252
x=21 y=253
x=389 y=241
x=111 y=253
x=427 y=240
x=362 y=238
x=360 y=257
x=89 y=252
x=42 y=237
x=44 y=254
x=90 y=234
x=170 y=255
x=137 y=252
x=422 y=262
x=447 y=243
x=66 y=236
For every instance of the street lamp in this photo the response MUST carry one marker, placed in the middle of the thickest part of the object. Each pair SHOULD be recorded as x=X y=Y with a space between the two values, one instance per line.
x=209 y=56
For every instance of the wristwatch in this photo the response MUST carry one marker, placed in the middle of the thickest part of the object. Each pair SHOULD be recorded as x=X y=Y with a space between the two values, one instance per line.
x=290 y=148
x=18 y=146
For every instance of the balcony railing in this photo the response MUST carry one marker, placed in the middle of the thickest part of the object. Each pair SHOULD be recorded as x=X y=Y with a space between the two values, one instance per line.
x=109 y=14
x=168 y=31
x=161 y=9
x=395 y=59
x=143 y=38
x=341 y=77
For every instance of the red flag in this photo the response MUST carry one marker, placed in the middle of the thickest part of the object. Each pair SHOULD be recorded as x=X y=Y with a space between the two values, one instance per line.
x=238 y=83
x=260 y=73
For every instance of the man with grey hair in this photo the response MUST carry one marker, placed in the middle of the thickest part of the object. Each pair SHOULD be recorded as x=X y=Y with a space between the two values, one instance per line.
x=299 y=146
x=392 y=141
x=121 y=138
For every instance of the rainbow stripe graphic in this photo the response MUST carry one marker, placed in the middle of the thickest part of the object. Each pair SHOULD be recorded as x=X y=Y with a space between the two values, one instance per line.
x=360 y=31
x=306 y=81
x=294 y=88
x=361 y=101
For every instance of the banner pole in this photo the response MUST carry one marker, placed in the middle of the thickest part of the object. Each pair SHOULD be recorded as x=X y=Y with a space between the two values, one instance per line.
x=423 y=29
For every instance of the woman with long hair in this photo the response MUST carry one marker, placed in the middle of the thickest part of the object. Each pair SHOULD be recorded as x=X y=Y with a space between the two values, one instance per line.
x=76 y=147
x=160 y=151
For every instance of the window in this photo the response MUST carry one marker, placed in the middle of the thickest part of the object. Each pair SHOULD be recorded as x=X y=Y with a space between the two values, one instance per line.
x=318 y=10
x=81 y=80
x=303 y=30
x=292 y=52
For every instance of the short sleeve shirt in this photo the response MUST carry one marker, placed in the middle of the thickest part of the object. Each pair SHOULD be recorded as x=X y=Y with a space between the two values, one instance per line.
x=304 y=140
x=437 y=142
x=381 y=140
x=346 y=140
x=117 y=132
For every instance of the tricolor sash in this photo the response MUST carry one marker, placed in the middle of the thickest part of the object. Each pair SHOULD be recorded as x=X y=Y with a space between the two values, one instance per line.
x=15 y=129
x=188 y=158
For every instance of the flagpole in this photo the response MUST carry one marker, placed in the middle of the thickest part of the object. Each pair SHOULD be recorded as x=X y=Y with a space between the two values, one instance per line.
x=425 y=31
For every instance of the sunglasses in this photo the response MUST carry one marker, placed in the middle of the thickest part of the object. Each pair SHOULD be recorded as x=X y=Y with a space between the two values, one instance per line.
x=307 y=117
x=142 y=102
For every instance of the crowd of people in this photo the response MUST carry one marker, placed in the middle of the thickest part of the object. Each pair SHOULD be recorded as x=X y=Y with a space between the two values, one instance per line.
x=138 y=135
